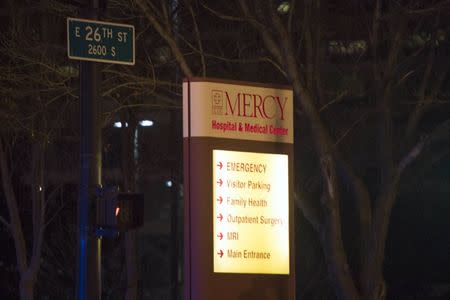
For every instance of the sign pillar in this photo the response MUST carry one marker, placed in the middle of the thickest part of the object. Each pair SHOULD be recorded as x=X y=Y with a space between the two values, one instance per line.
x=91 y=41
x=89 y=252
x=238 y=155
x=89 y=245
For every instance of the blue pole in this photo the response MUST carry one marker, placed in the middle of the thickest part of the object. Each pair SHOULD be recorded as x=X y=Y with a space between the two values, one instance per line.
x=89 y=246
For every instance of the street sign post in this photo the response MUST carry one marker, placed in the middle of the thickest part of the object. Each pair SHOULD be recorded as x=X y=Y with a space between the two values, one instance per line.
x=98 y=41
x=91 y=41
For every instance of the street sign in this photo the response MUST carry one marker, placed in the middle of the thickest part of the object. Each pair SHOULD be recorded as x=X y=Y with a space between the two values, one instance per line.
x=100 y=41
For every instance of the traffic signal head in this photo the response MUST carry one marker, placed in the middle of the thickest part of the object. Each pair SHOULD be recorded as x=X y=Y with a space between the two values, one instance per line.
x=119 y=211
x=129 y=211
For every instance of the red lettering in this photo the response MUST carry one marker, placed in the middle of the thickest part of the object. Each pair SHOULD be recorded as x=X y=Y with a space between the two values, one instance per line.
x=246 y=103
x=257 y=105
x=281 y=107
x=265 y=108
x=228 y=104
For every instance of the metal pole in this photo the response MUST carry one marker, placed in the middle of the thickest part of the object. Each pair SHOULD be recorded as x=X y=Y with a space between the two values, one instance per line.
x=89 y=246
x=175 y=203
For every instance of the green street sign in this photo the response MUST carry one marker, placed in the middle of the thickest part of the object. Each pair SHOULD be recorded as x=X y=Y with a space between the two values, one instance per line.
x=100 y=41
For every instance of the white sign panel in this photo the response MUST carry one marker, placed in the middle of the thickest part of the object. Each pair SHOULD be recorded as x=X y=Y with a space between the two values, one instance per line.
x=251 y=212
x=237 y=111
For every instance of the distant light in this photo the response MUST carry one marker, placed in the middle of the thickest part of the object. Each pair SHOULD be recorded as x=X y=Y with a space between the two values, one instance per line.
x=117 y=211
x=169 y=183
x=119 y=124
x=146 y=123
x=40 y=188
x=284 y=7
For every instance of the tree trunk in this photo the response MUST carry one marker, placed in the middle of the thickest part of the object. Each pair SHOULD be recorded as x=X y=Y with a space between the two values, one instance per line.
x=331 y=235
x=26 y=287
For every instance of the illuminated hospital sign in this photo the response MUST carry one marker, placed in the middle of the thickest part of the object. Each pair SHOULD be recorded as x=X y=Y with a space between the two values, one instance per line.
x=251 y=212
x=241 y=112
x=238 y=157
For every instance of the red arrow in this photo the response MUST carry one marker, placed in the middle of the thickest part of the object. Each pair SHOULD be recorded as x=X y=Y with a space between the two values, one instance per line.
x=220 y=165
x=220 y=253
x=220 y=217
x=220 y=200
x=219 y=182
x=220 y=236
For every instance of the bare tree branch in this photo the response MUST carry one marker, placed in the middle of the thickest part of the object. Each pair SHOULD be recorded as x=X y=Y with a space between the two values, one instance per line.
x=436 y=7
x=223 y=16
x=309 y=211
x=16 y=226
x=424 y=101
x=410 y=157
x=353 y=126
x=4 y=222
x=374 y=39
x=199 y=41
x=167 y=36
x=271 y=44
